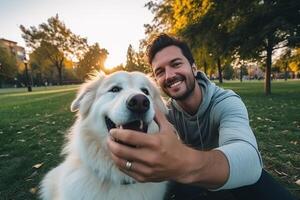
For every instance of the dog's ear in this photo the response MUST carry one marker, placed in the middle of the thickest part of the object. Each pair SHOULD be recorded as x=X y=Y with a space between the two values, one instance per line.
x=86 y=95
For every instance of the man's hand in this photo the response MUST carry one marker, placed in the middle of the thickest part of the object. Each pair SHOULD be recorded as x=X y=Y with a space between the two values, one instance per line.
x=162 y=156
x=157 y=157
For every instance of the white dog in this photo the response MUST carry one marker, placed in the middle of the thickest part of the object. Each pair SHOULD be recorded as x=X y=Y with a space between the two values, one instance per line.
x=121 y=100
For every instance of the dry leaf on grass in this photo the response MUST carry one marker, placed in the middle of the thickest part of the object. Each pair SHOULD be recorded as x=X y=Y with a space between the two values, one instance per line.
x=33 y=190
x=36 y=166
x=281 y=173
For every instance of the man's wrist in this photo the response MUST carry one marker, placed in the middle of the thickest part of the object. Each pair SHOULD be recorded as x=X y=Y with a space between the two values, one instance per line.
x=190 y=166
x=208 y=169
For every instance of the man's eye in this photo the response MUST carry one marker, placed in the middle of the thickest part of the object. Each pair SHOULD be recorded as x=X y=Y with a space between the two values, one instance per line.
x=177 y=64
x=115 y=89
x=146 y=92
x=159 y=73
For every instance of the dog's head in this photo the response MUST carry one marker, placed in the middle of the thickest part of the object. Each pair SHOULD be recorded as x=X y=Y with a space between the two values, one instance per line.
x=120 y=100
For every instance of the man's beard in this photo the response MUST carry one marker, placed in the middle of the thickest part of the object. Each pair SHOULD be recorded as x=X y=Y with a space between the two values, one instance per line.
x=190 y=86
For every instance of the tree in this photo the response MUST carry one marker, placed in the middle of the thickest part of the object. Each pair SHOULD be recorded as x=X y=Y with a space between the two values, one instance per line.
x=142 y=62
x=136 y=61
x=92 y=60
x=252 y=29
x=289 y=61
x=295 y=62
x=8 y=65
x=283 y=62
x=56 y=41
x=228 y=72
x=41 y=67
x=263 y=27
x=198 y=22
x=131 y=64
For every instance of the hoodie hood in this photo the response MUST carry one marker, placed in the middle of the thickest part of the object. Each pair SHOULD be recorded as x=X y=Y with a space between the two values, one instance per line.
x=187 y=124
x=210 y=93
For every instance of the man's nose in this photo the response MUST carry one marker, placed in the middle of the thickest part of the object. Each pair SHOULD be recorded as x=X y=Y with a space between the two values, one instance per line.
x=170 y=73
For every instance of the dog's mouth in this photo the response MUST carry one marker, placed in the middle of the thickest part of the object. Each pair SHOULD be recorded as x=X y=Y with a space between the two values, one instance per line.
x=137 y=125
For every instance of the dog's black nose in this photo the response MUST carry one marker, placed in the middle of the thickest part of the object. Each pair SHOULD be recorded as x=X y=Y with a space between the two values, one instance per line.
x=138 y=103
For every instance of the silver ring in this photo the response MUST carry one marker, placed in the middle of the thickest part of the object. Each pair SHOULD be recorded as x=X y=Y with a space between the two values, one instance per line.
x=128 y=165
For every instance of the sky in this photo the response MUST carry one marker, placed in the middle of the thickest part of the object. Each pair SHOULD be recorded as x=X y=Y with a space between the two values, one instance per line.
x=114 y=24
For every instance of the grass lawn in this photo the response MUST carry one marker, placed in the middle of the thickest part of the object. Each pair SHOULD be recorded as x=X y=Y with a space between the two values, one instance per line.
x=32 y=127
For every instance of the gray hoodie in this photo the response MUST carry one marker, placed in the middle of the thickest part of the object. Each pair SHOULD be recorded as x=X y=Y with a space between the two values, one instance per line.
x=221 y=123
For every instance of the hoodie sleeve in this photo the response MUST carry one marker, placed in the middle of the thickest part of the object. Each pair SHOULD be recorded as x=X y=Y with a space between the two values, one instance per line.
x=237 y=142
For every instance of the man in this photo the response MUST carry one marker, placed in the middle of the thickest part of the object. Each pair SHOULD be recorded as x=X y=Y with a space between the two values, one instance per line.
x=218 y=151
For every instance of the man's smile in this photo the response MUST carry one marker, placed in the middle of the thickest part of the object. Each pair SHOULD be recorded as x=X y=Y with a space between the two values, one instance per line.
x=173 y=82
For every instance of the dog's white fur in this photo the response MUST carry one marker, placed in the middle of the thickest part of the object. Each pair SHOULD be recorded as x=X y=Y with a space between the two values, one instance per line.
x=88 y=173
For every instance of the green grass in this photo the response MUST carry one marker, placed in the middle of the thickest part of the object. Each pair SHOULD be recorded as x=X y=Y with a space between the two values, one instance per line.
x=32 y=127
x=275 y=120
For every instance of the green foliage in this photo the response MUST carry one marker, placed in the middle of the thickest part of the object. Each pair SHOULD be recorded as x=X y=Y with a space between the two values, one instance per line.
x=135 y=61
x=54 y=41
x=8 y=65
x=289 y=61
x=92 y=60
x=229 y=29
x=228 y=72
x=41 y=65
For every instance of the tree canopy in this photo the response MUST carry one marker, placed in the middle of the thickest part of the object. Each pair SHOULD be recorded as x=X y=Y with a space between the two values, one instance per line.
x=92 y=60
x=250 y=30
x=135 y=61
x=54 y=41
x=8 y=65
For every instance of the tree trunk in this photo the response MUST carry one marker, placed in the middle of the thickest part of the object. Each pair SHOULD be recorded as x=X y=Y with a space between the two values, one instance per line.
x=59 y=70
x=28 y=84
x=220 y=71
x=285 y=71
x=268 y=67
x=241 y=74
x=205 y=66
x=60 y=76
x=1 y=82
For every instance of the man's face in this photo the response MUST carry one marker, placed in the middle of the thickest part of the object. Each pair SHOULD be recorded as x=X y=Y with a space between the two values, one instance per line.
x=173 y=73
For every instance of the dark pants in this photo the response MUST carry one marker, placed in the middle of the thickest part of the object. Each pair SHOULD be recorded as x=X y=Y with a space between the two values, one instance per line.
x=265 y=188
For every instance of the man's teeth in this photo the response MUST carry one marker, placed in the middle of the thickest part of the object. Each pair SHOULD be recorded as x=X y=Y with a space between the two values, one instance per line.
x=175 y=84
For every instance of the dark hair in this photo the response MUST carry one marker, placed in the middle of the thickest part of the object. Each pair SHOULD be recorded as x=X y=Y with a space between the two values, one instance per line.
x=162 y=41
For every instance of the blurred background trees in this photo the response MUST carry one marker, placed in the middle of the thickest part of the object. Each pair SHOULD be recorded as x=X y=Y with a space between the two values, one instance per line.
x=8 y=65
x=56 y=56
x=255 y=39
x=93 y=59
x=253 y=31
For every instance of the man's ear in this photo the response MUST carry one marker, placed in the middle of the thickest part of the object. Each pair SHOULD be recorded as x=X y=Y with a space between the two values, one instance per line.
x=194 y=69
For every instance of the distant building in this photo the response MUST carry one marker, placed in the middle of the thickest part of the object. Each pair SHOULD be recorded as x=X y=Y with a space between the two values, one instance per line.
x=12 y=46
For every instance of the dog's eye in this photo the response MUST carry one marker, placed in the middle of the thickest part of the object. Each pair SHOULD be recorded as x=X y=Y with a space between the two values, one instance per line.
x=146 y=92
x=115 y=89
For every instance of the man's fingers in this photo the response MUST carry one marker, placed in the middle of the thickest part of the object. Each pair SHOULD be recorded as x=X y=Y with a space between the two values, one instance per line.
x=121 y=151
x=138 y=171
x=126 y=152
x=130 y=137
